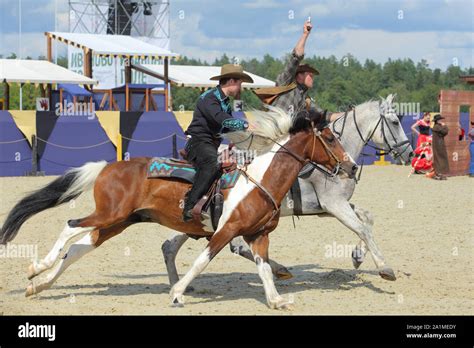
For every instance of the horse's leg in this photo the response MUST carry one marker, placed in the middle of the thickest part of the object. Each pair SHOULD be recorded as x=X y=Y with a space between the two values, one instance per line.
x=170 y=249
x=259 y=247
x=240 y=247
x=215 y=245
x=68 y=232
x=364 y=215
x=175 y=241
x=360 y=250
x=78 y=249
x=346 y=215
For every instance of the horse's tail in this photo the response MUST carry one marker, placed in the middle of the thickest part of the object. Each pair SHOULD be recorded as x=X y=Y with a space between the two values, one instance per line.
x=61 y=190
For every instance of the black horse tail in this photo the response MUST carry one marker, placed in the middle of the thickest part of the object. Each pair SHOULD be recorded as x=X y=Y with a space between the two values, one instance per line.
x=61 y=190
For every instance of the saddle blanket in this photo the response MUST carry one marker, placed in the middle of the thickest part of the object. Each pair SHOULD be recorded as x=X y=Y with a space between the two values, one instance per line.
x=161 y=167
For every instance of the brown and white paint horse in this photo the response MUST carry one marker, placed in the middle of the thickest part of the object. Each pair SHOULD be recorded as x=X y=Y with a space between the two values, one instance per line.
x=124 y=196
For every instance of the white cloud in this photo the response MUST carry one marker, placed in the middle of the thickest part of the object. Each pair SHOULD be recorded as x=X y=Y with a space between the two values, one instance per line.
x=42 y=8
x=187 y=39
x=456 y=40
x=262 y=4
x=316 y=10
x=438 y=48
x=333 y=7
x=32 y=44
x=380 y=45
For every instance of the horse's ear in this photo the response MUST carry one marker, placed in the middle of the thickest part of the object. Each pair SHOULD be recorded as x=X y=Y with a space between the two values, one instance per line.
x=323 y=120
x=326 y=117
x=391 y=98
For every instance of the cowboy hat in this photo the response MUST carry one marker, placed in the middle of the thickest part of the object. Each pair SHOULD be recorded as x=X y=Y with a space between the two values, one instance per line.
x=306 y=68
x=437 y=117
x=233 y=71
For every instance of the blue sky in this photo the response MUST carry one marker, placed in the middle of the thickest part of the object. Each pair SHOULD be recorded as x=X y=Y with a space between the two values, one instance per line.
x=440 y=31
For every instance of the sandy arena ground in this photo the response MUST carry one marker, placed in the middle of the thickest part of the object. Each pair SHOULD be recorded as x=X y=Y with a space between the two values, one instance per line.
x=423 y=227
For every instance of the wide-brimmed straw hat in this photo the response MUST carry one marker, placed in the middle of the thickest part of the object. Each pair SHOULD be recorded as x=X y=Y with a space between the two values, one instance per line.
x=233 y=71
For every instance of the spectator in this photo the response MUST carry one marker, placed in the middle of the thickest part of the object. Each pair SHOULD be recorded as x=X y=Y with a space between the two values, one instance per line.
x=423 y=130
x=461 y=132
x=440 y=155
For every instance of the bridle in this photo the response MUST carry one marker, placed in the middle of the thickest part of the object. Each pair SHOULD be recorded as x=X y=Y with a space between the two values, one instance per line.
x=383 y=123
x=316 y=135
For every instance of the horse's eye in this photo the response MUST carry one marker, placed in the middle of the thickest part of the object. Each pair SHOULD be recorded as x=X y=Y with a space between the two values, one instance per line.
x=330 y=138
x=396 y=123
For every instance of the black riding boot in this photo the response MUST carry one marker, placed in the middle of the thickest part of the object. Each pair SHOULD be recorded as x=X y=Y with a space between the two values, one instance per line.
x=204 y=157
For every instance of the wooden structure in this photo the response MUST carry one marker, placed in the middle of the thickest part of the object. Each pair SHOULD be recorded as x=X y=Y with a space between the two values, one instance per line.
x=147 y=103
x=89 y=97
x=458 y=150
x=113 y=46
x=40 y=73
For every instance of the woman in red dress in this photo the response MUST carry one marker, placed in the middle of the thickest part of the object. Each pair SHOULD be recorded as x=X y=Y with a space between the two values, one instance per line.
x=422 y=162
x=423 y=130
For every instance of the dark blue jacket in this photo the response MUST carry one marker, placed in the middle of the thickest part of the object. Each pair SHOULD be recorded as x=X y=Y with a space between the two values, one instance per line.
x=212 y=108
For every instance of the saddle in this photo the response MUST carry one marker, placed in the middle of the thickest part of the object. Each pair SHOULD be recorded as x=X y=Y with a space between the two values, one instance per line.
x=268 y=94
x=211 y=204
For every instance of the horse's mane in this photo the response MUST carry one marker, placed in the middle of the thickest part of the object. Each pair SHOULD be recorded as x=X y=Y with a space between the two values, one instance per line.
x=265 y=128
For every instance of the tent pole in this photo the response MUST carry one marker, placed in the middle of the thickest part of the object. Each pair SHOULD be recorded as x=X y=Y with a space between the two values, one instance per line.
x=50 y=94
x=34 y=156
x=166 y=84
x=7 y=96
x=49 y=48
x=127 y=97
x=21 y=96
x=128 y=72
x=61 y=100
x=88 y=62
x=147 y=101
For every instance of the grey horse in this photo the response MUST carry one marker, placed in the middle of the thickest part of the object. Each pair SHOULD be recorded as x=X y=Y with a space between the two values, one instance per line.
x=322 y=193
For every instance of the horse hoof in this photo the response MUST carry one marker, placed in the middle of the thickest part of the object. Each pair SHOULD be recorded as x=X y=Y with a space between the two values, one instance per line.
x=283 y=306
x=30 y=290
x=388 y=274
x=286 y=306
x=283 y=274
x=357 y=257
x=176 y=303
x=356 y=264
x=31 y=272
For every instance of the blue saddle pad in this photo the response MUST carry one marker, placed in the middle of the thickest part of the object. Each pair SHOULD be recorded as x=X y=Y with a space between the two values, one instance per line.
x=161 y=167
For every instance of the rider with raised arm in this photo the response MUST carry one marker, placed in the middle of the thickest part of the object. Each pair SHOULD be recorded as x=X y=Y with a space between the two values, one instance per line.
x=294 y=82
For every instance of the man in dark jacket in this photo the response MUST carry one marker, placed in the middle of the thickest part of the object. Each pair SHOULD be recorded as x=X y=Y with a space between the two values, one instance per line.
x=213 y=113
x=440 y=155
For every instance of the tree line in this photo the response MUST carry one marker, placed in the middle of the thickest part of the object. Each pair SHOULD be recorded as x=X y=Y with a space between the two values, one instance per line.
x=341 y=82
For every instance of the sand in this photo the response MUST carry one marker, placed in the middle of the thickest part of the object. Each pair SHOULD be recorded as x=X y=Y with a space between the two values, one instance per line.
x=423 y=227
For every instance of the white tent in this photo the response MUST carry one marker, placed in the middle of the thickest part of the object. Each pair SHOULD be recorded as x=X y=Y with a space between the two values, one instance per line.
x=111 y=45
x=197 y=76
x=39 y=71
